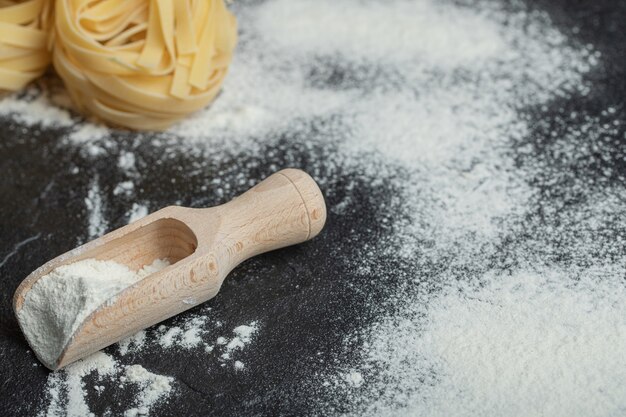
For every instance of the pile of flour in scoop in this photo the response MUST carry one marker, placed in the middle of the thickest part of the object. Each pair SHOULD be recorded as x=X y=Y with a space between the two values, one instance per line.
x=60 y=301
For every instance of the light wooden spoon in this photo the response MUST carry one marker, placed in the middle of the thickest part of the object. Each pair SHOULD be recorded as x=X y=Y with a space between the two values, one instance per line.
x=203 y=245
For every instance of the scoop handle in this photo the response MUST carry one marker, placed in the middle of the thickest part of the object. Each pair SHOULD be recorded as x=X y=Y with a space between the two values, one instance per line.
x=284 y=209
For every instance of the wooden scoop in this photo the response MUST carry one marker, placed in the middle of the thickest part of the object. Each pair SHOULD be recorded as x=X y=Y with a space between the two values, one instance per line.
x=203 y=245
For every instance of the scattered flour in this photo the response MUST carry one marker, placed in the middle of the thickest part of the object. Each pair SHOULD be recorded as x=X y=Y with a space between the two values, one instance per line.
x=192 y=333
x=354 y=378
x=191 y=337
x=455 y=36
x=31 y=107
x=97 y=223
x=126 y=161
x=531 y=343
x=124 y=188
x=133 y=343
x=243 y=336
x=136 y=212
x=67 y=390
x=60 y=301
x=153 y=388
x=88 y=132
x=187 y=337
x=168 y=339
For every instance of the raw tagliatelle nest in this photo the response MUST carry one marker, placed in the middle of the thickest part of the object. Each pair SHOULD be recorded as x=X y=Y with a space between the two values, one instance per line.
x=143 y=64
x=24 y=38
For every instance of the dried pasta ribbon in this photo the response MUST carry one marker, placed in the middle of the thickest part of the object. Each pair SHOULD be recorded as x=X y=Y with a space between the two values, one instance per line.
x=24 y=38
x=143 y=64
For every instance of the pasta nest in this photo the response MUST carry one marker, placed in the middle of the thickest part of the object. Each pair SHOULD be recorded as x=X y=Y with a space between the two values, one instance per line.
x=24 y=52
x=143 y=64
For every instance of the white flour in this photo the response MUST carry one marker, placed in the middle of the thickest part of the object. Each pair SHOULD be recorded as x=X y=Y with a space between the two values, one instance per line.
x=243 y=335
x=153 y=387
x=60 y=301
x=132 y=343
x=532 y=343
x=192 y=334
x=455 y=36
x=187 y=336
x=67 y=390
x=124 y=188
x=126 y=161
x=89 y=132
x=34 y=108
x=136 y=212
x=97 y=223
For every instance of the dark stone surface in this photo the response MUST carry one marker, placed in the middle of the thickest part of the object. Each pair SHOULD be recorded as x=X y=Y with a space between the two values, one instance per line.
x=306 y=297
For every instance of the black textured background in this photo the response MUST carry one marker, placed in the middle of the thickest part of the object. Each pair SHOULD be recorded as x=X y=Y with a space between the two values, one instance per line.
x=306 y=297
